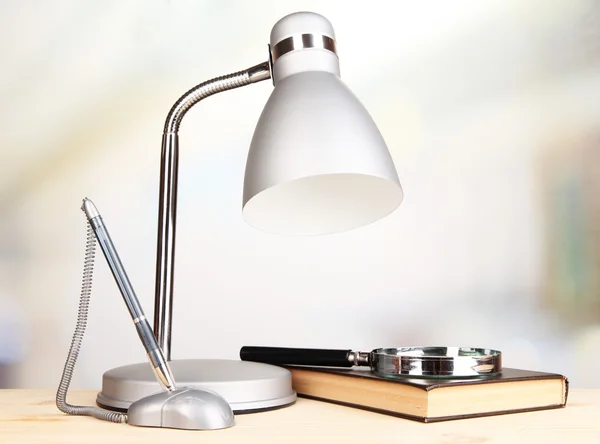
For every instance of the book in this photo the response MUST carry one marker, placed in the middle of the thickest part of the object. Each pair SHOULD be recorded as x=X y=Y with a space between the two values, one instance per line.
x=432 y=400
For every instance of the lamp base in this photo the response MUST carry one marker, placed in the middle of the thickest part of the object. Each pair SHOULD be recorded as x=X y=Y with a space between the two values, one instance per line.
x=247 y=386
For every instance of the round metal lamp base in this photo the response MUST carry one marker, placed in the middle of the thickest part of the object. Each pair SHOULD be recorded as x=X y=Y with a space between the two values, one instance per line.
x=247 y=386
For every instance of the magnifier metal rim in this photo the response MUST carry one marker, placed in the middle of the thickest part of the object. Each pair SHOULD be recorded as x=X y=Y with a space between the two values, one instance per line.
x=436 y=362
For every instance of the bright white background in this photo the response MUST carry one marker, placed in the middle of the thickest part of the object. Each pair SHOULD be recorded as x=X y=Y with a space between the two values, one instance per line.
x=491 y=110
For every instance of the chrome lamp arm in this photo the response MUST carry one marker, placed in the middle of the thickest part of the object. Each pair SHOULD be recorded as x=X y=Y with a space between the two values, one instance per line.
x=167 y=207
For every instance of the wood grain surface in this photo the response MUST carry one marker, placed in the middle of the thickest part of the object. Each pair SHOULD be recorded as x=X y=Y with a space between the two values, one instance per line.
x=30 y=416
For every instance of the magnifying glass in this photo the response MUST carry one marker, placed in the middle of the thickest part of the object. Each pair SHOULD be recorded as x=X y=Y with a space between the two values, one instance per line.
x=412 y=362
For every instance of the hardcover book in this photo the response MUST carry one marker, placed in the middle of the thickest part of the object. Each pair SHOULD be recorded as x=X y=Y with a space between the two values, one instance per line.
x=430 y=400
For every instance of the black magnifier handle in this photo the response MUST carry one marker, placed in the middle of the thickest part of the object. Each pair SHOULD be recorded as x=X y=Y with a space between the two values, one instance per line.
x=303 y=356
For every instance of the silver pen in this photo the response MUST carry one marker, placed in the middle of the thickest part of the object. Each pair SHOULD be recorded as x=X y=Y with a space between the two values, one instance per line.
x=155 y=355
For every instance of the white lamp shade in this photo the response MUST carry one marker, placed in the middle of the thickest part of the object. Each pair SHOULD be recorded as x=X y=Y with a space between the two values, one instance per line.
x=317 y=162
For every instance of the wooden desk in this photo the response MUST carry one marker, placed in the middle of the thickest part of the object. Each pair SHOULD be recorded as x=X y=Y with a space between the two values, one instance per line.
x=30 y=416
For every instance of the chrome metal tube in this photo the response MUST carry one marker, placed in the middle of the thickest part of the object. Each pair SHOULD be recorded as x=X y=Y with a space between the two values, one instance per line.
x=167 y=206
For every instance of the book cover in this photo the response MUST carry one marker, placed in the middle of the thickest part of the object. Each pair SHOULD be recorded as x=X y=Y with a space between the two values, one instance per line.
x=431 y=400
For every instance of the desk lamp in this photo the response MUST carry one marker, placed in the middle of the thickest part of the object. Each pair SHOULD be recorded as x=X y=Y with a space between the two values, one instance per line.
x=317 y=164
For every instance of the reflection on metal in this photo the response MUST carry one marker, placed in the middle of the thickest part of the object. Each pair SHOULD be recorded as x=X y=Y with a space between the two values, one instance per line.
x=167 y=207
x=302 y=41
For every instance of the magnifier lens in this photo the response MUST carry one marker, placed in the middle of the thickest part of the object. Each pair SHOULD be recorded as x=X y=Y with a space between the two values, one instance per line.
x=436 y=362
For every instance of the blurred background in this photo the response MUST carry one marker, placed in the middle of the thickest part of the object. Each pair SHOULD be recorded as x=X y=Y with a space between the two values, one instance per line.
x=491 y=110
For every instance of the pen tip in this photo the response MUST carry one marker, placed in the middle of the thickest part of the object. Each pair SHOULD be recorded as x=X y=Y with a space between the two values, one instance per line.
x=89 y=208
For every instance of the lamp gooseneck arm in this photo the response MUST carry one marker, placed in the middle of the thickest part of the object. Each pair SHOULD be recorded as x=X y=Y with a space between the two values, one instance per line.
x=167 y=207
